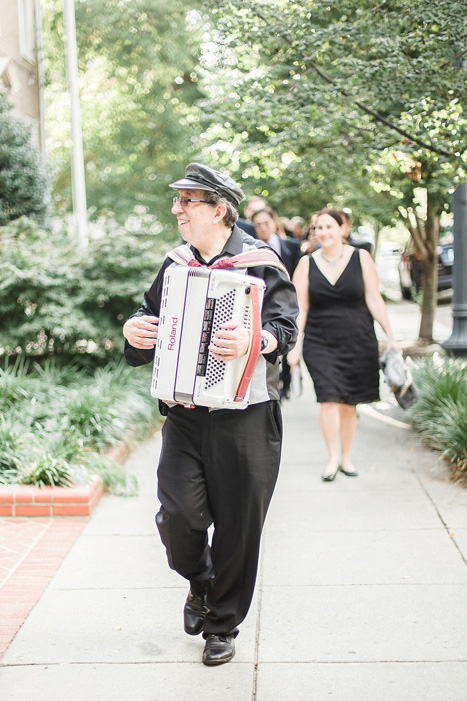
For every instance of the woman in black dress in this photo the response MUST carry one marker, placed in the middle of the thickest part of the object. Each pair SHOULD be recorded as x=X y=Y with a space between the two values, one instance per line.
x=337 y=288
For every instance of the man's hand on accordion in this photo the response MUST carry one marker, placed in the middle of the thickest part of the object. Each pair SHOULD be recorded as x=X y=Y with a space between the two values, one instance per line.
x=231 y=341
x=141 y=331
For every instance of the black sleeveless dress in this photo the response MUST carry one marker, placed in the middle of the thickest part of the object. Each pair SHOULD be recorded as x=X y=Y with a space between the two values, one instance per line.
x=340 y=348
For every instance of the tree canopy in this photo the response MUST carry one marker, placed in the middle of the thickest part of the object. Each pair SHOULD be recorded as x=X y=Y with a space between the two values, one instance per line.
x=139 y=87
x=346 y=101
x=308 y=101
x=350 y=102
x=337 y=85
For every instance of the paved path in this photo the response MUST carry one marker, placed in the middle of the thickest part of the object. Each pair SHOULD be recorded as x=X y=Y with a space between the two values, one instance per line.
x=362 y=589
x=405 y=319
x=31 y=551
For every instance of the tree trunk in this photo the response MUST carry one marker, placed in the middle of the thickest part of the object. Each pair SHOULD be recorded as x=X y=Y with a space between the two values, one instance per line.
x=430 y=274
x=377 y=229
x=429 y=292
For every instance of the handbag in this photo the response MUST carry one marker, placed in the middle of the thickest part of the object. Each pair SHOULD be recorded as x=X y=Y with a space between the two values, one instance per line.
x=398 y=378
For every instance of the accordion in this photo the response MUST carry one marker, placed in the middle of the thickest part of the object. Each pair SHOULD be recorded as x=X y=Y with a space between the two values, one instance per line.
x=195 y=302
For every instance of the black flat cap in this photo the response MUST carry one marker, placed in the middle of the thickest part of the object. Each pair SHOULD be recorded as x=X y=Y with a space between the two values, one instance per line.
x=199 y=177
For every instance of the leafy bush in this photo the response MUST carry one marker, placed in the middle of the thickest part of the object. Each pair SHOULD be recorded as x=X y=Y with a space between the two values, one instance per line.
x=23 y=182
x=58 y=423
x=48 y=470
x=114 y=477
x=441 y=411
x=11 y=432
x=13 y=384
x=62 y=403
x=70 y=305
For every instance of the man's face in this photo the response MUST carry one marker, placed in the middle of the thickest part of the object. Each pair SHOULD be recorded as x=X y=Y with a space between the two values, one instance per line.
x=264 y=226
x=194 y=218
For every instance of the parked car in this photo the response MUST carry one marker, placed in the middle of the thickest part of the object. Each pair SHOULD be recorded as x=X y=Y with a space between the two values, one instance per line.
x=391 y=249
x=361 y=242
x=411 y=269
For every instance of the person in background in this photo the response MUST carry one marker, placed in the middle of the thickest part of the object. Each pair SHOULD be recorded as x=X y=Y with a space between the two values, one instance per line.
x=297 y=226
x=253 y=204
x=218 y=467
x=347 y=233
x=310 y=242
x=289 y=251
x=339 y=299
x=287 y=226
x=265 y=223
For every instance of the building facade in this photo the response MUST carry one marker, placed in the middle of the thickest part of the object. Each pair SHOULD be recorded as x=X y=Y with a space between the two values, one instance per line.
x=19 y=70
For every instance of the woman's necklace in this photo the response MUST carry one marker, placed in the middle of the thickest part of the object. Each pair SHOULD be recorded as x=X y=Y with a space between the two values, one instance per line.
x=332 y=263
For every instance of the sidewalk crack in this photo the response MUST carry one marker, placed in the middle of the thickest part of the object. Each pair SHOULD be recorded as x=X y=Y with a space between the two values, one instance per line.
x=448 y=531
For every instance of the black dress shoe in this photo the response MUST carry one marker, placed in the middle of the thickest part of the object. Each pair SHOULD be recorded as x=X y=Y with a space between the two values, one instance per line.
x=329 y=477
x=349 y=473
x=194 y=613
x=218 y=649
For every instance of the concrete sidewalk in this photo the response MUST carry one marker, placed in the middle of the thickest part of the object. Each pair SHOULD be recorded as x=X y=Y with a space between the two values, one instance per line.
x=405 y=320
x=361 y=594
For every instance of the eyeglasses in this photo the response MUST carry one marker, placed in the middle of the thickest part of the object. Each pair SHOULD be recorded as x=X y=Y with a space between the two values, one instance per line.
x=185 y=201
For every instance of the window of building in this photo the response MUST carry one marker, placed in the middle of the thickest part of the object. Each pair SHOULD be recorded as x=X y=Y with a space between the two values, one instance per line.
x=26 y=23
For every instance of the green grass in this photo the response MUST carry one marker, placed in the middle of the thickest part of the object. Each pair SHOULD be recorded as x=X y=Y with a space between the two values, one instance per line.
x=440 y=414
x=56 y=423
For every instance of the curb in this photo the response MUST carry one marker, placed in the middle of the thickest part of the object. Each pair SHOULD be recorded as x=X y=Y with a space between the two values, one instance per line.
x=20 y=500
x=26 y=500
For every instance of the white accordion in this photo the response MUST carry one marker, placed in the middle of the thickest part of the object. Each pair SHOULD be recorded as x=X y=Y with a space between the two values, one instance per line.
x=195 y=302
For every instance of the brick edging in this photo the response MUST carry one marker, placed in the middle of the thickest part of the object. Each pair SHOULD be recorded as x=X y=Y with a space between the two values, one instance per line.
x=27 y=500
x=77 y=500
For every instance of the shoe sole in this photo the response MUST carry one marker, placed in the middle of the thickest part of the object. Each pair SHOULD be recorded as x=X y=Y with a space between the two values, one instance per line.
x=329 y=478
x=348 y=474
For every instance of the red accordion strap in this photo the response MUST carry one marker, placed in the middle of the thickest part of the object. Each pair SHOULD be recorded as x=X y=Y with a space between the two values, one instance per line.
x=249 y=259
x=255 y=348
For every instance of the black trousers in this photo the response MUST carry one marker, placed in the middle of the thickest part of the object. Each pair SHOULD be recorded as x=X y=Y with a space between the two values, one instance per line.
x=218 y=467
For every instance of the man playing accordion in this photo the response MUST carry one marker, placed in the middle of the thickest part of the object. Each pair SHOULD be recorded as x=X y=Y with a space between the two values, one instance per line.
x=218 y=466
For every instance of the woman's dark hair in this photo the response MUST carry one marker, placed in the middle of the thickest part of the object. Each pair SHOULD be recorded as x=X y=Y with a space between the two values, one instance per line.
x=332 y=213
x=346 y=217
